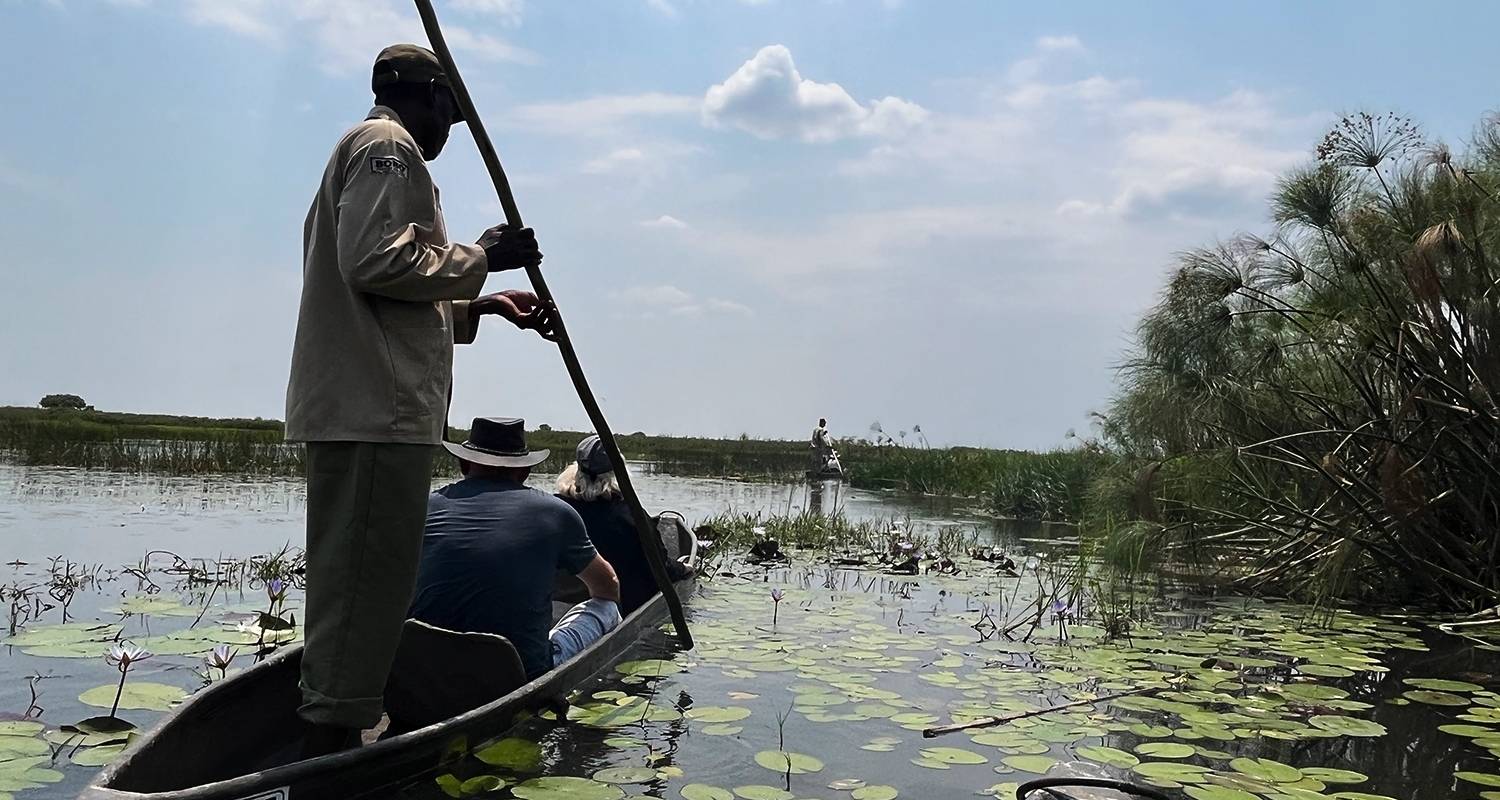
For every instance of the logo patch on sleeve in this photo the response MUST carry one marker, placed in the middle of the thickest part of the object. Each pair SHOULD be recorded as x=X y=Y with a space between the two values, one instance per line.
x=388 y=165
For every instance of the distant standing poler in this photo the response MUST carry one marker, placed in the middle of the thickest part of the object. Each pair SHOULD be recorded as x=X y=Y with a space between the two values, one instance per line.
x=822 y=446
x=385 y=296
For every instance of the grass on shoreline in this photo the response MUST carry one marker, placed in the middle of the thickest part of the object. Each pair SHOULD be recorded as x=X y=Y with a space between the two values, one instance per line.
x=1049 y=486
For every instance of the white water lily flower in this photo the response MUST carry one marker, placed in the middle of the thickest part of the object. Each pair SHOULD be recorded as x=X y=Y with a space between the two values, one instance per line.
x=221 y=657
x=124 y=654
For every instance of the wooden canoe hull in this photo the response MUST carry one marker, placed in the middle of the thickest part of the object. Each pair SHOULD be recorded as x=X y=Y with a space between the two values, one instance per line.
x=249 y=713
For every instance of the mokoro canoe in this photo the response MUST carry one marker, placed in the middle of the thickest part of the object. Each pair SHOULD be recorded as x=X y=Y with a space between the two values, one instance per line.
x=237 y=739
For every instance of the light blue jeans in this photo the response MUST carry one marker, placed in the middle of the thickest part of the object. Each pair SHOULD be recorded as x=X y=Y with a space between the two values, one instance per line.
x=581 y=627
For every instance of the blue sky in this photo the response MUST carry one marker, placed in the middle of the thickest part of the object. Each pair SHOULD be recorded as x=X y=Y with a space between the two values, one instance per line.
x=754 y=213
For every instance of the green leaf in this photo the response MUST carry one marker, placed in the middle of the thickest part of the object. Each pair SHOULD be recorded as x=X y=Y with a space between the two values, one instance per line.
x=137 y=695
x=482 y=784
x=1434 y=698
x=782 y=761
x=1481 y=778
x=877 y=792
x=97 y=756
x=1165 y=749
x=521 y=755
x=717 y=714
x=1218 y=793
x=702 y=791
x=760 y=792
x=1109 y=756
x=1347 y=726
x=564 y=788
x=953 y=755
x=625 y=775
x=1330 y=775
x=648 y=668
x=1266 y=769
x=450 y=784
x=1037 y=765
x=1441 y=685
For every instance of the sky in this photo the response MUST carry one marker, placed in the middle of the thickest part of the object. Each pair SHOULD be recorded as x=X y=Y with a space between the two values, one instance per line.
x=754 y=212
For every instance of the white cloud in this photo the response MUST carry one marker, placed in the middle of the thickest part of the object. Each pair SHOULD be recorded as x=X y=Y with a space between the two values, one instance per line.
x=664 y=221
x=349 y=33
x=647 y=161
x=666 y=299
x=663 y=7
x=614 y=161
x=769 y=98
x=664 y=295
x=602 y=114
x=1059 y=44
x=507 y=10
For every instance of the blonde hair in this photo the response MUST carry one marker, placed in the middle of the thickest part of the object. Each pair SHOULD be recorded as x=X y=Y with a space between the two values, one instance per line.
x=575 y=484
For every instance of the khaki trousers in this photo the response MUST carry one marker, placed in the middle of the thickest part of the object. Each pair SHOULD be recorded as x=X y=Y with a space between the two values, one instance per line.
x=366 y=508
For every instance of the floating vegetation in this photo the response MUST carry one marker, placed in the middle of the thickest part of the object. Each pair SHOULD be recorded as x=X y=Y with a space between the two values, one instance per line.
x=1216 y=698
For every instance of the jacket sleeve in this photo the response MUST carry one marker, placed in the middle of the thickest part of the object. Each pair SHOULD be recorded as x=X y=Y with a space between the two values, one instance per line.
x=465 y=324
x=388 y=220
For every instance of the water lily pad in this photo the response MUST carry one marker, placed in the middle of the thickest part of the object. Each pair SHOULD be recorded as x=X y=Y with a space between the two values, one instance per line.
x=648 y=668
x=1109 y=756
x=1441 y=685
x=1037 y=765
x=482 y=784
x=1266 y=769
x=522 y=755
x=140 y=695
x=450 y=785
x=625 y=775
x=702 y=791
x=20 y=727
x=97 y=756
x=782 y=761
x=566 y=788
x=13 y=746
x=846 y=784
x=1169 y=770
x=720 y=730
x=1330 y=775
x=1165 y=749
x=877 y=792
x=1434 y=698
x=953 y=755
x=716 y=714
x=761 y=792
x=1218 y=793
x=1346 y=726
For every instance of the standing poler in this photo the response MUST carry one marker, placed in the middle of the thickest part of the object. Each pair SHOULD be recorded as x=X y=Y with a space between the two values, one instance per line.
x=384 y=297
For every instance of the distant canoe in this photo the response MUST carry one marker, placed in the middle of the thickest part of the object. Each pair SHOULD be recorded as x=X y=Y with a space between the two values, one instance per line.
x=236 y=740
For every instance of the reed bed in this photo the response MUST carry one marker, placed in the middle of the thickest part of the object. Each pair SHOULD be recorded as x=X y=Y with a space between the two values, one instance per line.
x=1049 y=486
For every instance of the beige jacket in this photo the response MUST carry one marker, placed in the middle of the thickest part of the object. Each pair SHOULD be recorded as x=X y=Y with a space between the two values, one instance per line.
x=373 y=357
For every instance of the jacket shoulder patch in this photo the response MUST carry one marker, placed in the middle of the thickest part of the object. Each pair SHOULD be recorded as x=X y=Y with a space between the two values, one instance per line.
x=388 y=165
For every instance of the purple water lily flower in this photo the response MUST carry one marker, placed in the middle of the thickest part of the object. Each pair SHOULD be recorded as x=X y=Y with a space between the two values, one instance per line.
x=276 y=589
x=776 y=596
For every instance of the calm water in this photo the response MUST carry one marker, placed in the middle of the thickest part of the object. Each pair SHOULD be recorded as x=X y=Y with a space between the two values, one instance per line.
x=855 y=662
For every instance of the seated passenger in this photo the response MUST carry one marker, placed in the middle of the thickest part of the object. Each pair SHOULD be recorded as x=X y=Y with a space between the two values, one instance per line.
x=589 y=485
x=493 y=545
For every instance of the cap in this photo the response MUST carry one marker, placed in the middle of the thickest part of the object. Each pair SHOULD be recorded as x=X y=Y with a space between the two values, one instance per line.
x=592 y=457
x=409 y=63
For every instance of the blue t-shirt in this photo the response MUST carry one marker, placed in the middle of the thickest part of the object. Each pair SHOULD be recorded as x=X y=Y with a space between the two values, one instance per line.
x=489 y=556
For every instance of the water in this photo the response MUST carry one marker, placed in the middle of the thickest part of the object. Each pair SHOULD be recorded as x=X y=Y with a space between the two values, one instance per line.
x=848 y=650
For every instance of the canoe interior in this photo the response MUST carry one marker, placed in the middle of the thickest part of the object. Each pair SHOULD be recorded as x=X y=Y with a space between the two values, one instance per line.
x=243 y=735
